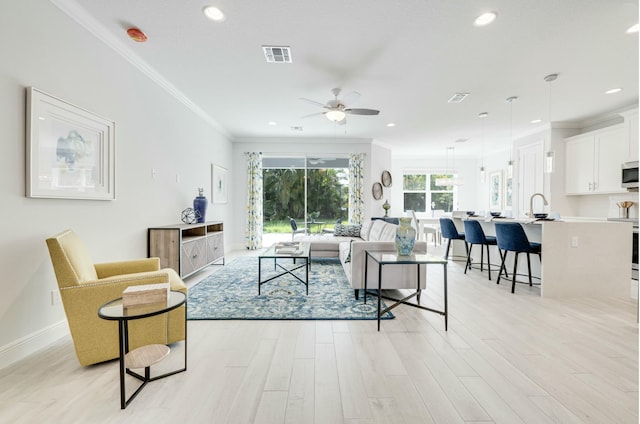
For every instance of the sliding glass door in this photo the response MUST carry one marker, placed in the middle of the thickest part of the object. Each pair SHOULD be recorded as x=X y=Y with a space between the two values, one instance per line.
x=312 y=190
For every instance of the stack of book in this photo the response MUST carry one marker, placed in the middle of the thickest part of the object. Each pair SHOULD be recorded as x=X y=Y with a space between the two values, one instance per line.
x=146 y=294
x=288 y=248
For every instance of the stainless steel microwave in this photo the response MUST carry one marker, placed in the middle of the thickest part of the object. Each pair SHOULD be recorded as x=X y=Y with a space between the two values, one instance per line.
x=630 y=175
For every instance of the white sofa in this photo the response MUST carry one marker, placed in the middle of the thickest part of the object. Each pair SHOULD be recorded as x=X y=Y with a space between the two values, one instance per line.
x=351 y=250
x=379 y=235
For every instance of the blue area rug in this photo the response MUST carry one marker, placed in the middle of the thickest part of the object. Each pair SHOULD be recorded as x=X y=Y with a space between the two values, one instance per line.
x=232 y=293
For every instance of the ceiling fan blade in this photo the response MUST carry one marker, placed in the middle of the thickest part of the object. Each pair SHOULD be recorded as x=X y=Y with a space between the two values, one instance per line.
x=362 y=111
x=313 y=102
x=313 y=114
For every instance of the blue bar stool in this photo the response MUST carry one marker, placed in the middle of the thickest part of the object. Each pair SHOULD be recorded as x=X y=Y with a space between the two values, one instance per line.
x=512 y=238
x=474 y=234
x=450 y=232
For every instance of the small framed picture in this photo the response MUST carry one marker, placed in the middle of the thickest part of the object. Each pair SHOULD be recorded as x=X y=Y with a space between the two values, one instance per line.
x=218 y=184
x=70 y=151
x=495 y=190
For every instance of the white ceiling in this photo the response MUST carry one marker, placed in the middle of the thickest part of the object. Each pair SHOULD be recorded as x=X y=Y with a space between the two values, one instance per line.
x=405 y=57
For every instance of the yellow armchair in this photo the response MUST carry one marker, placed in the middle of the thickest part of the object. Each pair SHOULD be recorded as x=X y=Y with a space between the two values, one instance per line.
x=85 y=286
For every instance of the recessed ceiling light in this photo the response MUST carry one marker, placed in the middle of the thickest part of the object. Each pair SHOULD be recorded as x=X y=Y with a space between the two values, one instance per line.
x=536 y=121
x=460 y=140
x=213 y=13
x=613 y=91
x=273 y=124
x=457 y=97
x=632 y=29
x=485 y=19
x=391 y=124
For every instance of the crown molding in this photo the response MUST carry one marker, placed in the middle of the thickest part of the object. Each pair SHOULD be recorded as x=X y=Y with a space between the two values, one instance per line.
x=82 y=17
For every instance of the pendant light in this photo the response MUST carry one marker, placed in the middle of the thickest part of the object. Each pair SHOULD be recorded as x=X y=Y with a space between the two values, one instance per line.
x=510 y=163
x=450 y=180
x=549 y=155
x=483 y=173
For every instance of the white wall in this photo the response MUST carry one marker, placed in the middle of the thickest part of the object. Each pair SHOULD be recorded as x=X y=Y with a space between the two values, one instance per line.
x=42 y=47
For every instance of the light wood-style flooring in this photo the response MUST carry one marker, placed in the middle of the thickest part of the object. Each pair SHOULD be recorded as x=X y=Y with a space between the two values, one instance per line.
x=507 y=358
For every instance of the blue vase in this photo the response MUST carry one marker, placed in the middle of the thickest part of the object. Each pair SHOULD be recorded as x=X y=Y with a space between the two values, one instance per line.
x=200 y=206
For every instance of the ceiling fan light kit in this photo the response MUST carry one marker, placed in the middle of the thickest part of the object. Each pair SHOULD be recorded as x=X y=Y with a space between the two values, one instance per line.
x=337 y=108
x=335 y=115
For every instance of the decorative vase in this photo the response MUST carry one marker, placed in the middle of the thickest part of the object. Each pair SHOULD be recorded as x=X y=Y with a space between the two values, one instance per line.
x=405 y=237
x=386 y=206
x=200 y=205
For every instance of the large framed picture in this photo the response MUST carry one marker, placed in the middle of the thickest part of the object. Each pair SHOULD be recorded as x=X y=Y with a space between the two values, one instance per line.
x=495 y=190
x=218 y=184
x=70 y=151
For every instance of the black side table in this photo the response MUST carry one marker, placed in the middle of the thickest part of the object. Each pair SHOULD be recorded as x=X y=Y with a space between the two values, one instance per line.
x=144 y=356
x=392 y=258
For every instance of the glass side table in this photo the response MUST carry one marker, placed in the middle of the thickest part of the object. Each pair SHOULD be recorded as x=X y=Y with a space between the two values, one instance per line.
x=392 y=258
x=144 y=356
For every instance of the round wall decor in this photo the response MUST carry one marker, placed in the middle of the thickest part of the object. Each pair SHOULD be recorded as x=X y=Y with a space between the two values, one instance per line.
x=376 y=191
x=386 y=178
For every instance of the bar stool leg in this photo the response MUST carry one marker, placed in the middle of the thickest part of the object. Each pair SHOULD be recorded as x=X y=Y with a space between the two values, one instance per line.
x=488 y=262
x=502 y=266
x=515 y=268
x=529 y=267
x=468 y=264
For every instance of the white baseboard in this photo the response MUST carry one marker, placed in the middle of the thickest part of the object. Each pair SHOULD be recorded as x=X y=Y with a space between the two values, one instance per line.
x=25 y=346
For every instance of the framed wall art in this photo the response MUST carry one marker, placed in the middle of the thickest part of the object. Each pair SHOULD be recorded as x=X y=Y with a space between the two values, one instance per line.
x=495 y=190
x=218 y=184
x=70 y=152
x=508 y=193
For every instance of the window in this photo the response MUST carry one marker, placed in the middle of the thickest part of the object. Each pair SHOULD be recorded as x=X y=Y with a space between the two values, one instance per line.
x=424 y=191
x=306 y=189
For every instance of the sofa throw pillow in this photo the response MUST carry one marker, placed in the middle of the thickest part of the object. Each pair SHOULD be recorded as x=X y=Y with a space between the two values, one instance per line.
x=346 y=230
x=364 y=231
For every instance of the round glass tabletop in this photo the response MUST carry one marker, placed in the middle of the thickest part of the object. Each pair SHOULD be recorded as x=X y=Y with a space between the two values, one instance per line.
x=114 y=310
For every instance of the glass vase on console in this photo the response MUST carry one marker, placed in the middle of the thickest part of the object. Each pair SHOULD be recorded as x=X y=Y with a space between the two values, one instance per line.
x=405 y=237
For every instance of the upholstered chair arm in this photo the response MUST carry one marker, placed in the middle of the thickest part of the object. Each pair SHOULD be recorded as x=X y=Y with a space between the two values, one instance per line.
x=110 y=269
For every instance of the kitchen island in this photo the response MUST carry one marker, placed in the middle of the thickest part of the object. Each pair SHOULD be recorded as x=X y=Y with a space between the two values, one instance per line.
x=580 y=258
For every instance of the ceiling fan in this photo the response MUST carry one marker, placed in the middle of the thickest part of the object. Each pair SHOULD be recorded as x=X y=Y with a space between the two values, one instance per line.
x=337 y=109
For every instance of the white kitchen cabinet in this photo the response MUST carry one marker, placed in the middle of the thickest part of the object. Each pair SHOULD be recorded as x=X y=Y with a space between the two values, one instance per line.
x=593 y=161
x=631 y=128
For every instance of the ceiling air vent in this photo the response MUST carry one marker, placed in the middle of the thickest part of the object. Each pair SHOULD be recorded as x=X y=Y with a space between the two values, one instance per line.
x=277 y=54
x=457 y=97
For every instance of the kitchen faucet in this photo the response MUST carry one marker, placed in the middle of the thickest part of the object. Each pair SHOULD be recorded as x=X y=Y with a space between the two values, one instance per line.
x=544 y=199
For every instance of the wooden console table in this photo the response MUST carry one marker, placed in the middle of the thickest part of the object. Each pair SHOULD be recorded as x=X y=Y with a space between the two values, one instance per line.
x=187 y=248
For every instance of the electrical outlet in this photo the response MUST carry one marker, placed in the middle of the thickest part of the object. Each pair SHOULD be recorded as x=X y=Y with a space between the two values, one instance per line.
x=574 y=241
x=55 y=297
